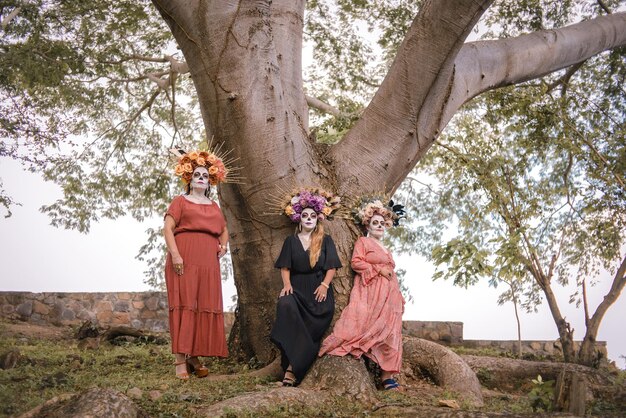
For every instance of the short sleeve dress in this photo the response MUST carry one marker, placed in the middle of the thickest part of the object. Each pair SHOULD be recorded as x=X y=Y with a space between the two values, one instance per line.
x=371 y=324
x=301 y=321
x=196 y=315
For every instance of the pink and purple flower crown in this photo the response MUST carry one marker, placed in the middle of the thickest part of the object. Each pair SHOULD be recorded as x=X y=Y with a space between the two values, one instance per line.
x=324 y=203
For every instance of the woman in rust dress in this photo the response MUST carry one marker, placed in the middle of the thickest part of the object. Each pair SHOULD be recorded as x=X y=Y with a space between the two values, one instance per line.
x=196 y=237
x=371 y=324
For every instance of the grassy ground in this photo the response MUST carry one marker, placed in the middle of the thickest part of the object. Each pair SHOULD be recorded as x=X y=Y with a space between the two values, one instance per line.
x=51 y=364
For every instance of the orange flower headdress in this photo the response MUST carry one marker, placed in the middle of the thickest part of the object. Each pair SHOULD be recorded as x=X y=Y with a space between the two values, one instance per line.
x=216 y=166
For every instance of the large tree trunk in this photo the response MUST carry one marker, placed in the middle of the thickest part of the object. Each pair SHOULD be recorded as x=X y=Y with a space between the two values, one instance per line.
x=245 y=61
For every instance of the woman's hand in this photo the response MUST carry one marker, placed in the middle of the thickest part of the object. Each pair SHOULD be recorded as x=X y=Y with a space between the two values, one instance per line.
x=179 y=267
x=222 y=251
x=287 y=290
x=320 y=293
x=386 y=272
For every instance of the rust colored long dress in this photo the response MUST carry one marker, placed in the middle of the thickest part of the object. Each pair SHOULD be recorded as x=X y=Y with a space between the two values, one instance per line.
x=196 y=315
x=371 y=324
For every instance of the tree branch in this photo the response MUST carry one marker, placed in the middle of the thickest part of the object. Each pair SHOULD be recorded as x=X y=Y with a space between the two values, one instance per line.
x=619 y=281
x=8 y=18
x=604 y=7
x=487 y=65
x=316 y=103
x=135 y=57
x=391 y=119
x=564 y=80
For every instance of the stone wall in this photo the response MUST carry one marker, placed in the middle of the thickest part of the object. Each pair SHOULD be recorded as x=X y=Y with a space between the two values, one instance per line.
x=148 y=311
x=438 y=331
x=548 y=349
x=143 y=310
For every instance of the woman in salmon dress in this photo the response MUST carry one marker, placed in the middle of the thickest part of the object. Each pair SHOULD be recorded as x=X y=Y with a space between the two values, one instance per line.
x=196 y=237
x=371 y=324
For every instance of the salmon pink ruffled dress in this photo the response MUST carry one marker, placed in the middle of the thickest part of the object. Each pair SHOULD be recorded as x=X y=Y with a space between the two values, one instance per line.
x=196 y=314
x=371 y=324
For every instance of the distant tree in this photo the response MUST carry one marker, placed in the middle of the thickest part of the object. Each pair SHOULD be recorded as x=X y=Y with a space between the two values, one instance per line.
x=108 y=72
x=533 y=179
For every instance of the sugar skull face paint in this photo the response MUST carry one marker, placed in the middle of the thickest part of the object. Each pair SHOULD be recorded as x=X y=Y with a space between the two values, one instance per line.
x=308 y=219
x=376 y=227
x=200 y=178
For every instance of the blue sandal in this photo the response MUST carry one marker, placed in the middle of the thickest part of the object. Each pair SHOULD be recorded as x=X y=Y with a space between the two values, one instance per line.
x=389 y=384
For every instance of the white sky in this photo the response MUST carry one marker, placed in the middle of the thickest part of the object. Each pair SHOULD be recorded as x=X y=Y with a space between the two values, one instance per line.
x=37 y=257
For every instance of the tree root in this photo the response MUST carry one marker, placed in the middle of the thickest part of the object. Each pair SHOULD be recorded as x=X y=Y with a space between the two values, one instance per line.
x=341 y=376
x=271 y=370
x=260 y=402
x=445 y=367
x=503 y=372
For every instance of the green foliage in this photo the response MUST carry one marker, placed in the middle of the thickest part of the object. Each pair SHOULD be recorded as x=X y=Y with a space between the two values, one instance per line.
x=527 y=179
x=541 y=395
x=78 y=104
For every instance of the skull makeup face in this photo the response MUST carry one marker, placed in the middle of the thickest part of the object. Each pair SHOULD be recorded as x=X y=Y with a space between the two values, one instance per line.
x=200 y=178
x=376 y=227
x=308 y=219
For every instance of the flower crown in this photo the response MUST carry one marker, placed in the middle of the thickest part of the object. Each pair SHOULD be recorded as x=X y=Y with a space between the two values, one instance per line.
x=322 y=202
x=189 y=161
x=368 y=206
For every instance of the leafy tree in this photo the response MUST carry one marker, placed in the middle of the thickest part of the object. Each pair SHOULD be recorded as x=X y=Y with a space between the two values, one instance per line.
x=108 y=72
x=533 y=177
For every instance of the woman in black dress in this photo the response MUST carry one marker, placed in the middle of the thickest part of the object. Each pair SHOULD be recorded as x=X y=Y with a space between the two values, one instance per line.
x=307 y=263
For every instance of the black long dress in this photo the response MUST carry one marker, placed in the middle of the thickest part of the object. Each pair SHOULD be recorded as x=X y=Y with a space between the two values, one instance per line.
x=301 y=321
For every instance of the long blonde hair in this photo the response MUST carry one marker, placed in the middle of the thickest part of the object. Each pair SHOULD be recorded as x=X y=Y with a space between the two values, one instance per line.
x=317 y=236
x=315 y=248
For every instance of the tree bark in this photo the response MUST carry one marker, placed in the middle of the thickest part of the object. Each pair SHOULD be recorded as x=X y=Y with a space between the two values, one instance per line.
x=566 y=333
x=342 y=376
x=571 y=393
x=396 y=116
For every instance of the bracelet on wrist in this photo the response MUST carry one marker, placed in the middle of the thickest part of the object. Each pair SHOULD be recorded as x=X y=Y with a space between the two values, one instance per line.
x=325 y=285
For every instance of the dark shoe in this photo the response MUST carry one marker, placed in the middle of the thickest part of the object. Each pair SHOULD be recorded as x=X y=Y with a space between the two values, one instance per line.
x=389 y=384
x=196 y=367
